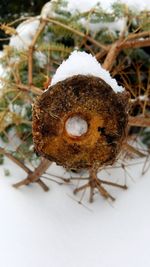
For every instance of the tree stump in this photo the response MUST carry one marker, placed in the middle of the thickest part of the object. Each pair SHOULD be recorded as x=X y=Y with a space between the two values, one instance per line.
x=80 y=123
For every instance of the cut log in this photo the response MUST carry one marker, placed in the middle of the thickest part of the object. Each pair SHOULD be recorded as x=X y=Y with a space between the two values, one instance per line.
x=87 y=101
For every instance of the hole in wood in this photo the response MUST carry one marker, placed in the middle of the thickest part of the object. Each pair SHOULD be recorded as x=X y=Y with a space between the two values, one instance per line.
x=76 y=126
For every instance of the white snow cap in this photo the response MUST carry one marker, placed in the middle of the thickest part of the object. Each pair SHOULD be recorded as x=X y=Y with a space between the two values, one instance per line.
x=82 y=63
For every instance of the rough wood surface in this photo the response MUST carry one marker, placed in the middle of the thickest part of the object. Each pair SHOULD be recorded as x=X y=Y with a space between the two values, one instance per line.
x=96 y=102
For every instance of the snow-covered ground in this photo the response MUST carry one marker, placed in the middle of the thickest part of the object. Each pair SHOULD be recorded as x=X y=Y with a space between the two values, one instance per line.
x=52 y=230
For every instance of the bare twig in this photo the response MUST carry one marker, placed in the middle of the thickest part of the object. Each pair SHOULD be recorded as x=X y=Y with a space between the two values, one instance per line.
x=93 y=41
x=30 y=88
x=133 y=150
x=111 y=56
x=134 y=44
x=120 y=45
x=16 y=161
x=35 y=175
x=31 y=49
x=138 y=35
x=139 y=121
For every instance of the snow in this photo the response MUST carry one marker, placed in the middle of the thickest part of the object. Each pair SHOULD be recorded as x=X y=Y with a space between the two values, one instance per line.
x=117 y=25
x=3 y=71
x=73 y=5
x=140 y=98
x=85 y=5
x=26 y=32
x=41 y=59
x=48 y=10
x=137 y=5
x=76 y=126
x=76 y=6
x=84 y=64
x=52 y=229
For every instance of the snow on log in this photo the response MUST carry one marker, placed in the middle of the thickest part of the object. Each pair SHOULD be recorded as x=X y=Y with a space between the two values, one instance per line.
x=80 y=121
x=84 y=64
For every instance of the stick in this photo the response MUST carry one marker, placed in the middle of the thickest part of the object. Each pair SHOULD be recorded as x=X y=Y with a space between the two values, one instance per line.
x=111 y=56
x=134 y=44
x=16 y=161
x=35 y=175
x=31 y=49
x=77 y=32
x=30 y=88
x=132 y=149
x=139 y=121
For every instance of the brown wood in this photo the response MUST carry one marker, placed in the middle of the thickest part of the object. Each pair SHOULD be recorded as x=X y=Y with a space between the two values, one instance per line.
x=35 y=175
